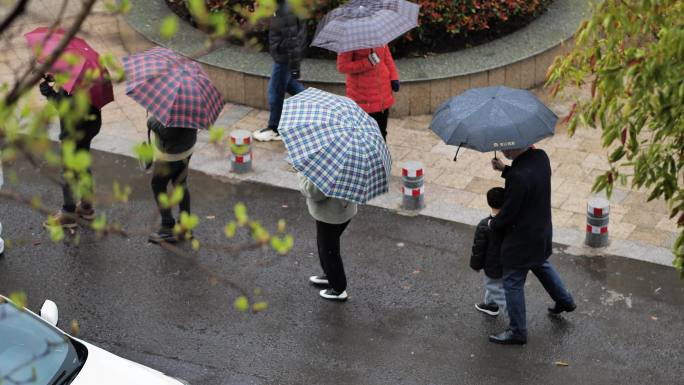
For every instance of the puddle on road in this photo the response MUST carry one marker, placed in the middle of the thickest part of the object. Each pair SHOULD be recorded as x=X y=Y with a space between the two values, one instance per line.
x=611 y=297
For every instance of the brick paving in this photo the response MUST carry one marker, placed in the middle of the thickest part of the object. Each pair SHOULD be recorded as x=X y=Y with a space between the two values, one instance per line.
x=458 y=186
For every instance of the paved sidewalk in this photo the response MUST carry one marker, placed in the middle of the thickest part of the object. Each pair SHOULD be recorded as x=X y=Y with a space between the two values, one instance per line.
x=454 y=190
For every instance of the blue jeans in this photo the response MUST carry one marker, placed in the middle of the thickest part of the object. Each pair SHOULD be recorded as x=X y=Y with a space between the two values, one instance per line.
x=494 y=293
x=514 y=285
x=280 y=82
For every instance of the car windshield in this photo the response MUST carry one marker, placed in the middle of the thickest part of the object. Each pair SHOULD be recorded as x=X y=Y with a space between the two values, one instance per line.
x=31 y=352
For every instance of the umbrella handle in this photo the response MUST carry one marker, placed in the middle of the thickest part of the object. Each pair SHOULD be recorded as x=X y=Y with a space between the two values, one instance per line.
x=457 y=150
x=494 y=154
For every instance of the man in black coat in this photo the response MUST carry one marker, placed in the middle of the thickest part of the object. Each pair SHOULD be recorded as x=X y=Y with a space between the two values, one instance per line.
x=525 y=220
x=287 y=43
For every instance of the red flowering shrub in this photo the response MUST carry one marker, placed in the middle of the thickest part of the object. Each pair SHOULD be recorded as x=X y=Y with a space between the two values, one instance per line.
x=444 y=25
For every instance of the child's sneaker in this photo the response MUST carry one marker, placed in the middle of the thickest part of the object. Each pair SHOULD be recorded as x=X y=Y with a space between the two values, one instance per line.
x=164 y=235
x=488 y=308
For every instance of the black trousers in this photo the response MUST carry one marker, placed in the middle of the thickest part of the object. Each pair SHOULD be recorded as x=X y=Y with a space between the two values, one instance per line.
x=381 y=117
x=177 y=174
x=328 y=239
x=82 y=141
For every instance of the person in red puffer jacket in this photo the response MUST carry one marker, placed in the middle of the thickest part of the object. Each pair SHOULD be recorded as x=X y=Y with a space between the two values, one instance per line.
x=372 y=77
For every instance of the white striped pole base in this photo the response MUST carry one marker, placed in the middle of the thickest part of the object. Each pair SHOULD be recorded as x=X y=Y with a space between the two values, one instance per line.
x=241 y=151
x=413 y=189
x=598 y=210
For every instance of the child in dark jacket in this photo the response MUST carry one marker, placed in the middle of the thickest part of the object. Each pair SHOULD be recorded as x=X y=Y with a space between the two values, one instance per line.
x=487 y=255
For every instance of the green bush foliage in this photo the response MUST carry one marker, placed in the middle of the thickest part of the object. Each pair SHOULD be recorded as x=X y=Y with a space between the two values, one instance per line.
x=444 y=25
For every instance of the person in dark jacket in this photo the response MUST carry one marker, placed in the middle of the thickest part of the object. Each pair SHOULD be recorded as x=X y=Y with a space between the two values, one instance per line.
x=487 y=255
x=287 y=43
x=173 y=149
x=525 y=220
x=81 y=133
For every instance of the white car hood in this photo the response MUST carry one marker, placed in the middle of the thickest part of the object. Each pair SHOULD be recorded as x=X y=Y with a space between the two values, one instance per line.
x=104 y=368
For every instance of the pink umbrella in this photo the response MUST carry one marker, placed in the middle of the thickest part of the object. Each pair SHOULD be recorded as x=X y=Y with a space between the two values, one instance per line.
x=87 y=59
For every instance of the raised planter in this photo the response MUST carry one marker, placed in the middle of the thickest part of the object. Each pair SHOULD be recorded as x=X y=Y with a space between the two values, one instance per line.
x=516 y=60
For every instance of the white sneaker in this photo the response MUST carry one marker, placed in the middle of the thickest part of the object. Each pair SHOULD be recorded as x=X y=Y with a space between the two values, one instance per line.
x=333 y=295
x=266 y=135
x=319 y=280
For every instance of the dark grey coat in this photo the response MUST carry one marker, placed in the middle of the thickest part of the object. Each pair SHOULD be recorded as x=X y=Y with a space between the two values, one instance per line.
x=525 y=218
x=287 y=37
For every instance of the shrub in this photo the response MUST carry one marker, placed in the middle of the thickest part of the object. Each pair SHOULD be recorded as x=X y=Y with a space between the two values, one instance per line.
x=444 y=25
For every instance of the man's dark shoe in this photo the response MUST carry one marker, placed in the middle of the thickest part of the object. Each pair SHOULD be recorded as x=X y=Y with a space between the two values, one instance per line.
x=85 y=212
x=488 y=308
x=557 y=309
x=508 y=338
x=163 y=235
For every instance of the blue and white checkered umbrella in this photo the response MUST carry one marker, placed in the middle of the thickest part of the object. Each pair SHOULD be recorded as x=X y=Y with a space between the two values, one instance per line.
x=365 y=24
x=335 y=144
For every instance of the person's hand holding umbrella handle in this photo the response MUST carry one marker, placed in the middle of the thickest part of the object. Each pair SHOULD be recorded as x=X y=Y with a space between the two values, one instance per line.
x=45 y=87
x=498 y=165
x=373 y=58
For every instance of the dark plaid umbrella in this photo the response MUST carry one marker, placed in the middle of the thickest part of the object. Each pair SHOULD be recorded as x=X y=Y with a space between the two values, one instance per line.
x=363 y=24
x=493 y=119
x=172 y=88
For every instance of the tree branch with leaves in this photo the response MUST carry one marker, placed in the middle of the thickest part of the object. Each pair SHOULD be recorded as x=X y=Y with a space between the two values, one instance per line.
x=630 y=53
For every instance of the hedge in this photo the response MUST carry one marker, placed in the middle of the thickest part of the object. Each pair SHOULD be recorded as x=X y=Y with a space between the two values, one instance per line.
x=444 y=25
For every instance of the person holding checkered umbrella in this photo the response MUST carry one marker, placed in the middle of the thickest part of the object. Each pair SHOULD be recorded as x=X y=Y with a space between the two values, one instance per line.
x=359 y=32
x=342 y=161
x=181 y=99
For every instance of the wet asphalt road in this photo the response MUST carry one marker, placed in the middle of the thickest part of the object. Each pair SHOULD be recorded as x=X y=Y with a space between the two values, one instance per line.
x=410 y=318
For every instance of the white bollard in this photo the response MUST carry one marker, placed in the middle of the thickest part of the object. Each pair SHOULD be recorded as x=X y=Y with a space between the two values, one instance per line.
x=413 y=187
x=598 y=210
x=241 y=151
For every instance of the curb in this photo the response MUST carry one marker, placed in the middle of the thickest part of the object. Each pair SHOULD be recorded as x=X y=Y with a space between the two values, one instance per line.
x=272 y=170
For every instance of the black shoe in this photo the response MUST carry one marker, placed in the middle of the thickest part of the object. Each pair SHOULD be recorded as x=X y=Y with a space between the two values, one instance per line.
x=163 y=235
x=488 y=308
x=508 y=338
x=557 y=309
x=333 y=295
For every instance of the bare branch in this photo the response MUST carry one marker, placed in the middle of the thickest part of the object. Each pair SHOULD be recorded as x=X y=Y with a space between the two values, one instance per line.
x=19 y=9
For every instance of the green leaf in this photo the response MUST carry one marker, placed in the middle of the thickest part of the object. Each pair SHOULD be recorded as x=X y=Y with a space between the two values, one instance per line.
x=169 y=27
x=259 y=306
x=240 y=150
x=195 y=244
x=99 y=223
x=216 y=134
x=164 y=201
x=177 y=195
x=241 y=303
x=19 y=299
x=230 y=229
x=241 y=214
x=188 y=221
x=144 y=152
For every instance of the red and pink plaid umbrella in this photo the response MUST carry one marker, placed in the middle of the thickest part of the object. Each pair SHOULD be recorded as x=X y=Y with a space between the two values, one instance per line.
x=86 y=59
x=173 y=88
